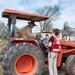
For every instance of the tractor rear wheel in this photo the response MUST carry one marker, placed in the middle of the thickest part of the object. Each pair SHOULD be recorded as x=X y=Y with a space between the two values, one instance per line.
x=23 y=59
x=70 y=65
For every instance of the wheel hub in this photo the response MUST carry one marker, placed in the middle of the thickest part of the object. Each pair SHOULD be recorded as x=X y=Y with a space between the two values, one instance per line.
x=26 y=64
x=23 y=63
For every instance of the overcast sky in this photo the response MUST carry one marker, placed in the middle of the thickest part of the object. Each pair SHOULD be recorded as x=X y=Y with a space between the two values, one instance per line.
x=67 y=10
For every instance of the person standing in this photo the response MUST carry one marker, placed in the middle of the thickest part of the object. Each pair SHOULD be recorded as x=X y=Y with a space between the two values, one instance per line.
x=46 y=39
x=54 y=48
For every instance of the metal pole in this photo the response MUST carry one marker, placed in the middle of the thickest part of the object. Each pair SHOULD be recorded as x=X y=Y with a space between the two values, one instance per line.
x=13 y=24
x=9 y=28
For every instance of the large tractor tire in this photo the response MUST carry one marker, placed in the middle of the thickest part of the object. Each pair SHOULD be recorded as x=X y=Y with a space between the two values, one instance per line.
x=23 y=59
x=70 y=65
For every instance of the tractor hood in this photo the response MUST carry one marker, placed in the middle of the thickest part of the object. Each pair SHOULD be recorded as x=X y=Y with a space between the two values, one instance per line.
x=24 y=15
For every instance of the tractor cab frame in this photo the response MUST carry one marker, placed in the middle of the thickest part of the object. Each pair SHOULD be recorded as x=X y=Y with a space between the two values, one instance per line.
x=13 y=15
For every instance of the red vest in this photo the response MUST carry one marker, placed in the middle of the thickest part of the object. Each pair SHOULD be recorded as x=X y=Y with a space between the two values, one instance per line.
x=56 y=45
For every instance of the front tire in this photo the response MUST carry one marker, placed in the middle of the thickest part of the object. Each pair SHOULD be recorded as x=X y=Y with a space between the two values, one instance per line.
x=70 y=65
x=23 y=59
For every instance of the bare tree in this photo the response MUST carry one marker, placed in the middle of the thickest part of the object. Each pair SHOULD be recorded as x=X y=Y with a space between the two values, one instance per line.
x=53 y=12
x=67 y=30
x=4 y=30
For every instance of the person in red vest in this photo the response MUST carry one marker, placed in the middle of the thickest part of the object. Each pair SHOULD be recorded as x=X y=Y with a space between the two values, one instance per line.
x=53 y=49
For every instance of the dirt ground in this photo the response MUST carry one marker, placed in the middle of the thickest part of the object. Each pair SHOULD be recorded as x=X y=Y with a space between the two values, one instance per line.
x=61 y=71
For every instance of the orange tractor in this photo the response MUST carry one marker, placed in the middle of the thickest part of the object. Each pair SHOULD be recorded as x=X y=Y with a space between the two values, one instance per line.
x=24 y=56
x=21 y=56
